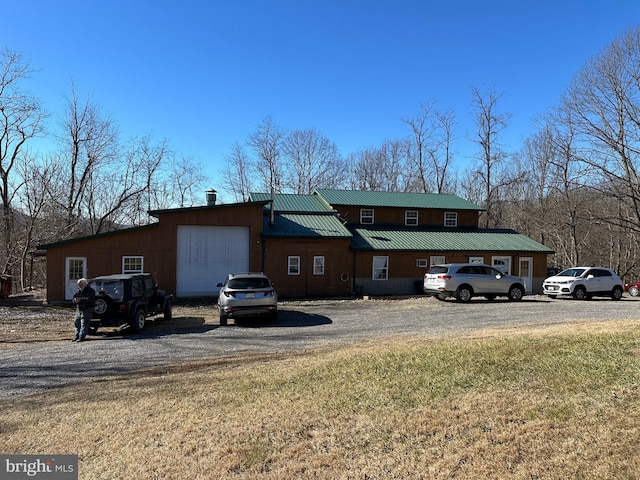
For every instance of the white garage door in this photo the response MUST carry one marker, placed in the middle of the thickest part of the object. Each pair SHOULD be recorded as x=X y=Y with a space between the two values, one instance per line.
x=206 y=255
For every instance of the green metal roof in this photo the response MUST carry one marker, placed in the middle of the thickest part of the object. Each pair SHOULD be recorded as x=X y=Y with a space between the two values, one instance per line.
x=288 y=202
x=305 y=225
x=396 y=199
x=389 y=239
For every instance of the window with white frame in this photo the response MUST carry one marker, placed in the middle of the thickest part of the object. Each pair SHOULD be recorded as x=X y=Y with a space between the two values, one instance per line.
x=132 y=264
x=436 y=260
x=421 y=263
x=366 y=216
x=294 y=265
x=411 y=217
x=380 y=268
x=476 y=259
x=318 y=265
x=450 y=219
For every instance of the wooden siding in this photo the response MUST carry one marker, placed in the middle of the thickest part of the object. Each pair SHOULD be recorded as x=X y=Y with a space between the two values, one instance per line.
x=427 y=217
x=338 y=266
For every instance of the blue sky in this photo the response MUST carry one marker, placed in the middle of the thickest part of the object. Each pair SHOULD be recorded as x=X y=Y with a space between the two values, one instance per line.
x=205 y=73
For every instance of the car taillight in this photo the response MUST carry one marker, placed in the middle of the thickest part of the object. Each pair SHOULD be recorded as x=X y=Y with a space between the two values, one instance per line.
x=444 y=277
x=268 y=293
x=123 y=307
x=229 y=294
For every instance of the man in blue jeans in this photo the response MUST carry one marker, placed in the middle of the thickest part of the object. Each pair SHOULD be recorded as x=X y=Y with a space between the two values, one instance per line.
x=83 y=299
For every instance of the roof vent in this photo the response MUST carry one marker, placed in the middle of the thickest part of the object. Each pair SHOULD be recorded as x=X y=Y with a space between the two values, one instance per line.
x=211 y=197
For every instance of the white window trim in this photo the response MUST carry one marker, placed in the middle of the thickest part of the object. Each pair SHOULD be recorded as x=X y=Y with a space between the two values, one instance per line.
x=127 y=257
x=476 y=259
x=369 y=218
x=450 y=219
x=293 y=265
x=409 y=219
x=385 y=269
x=321 y=265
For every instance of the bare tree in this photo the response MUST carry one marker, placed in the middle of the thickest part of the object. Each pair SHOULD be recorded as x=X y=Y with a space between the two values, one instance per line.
x=490 y=171
x=188 y=181
x=88 y=141
x=432 y=135
x=314 y=161
x=21 y=119
x=266 y=143
x=238 y=167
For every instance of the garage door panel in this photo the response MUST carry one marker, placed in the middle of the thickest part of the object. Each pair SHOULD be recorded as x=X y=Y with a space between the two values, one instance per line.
x=206 y=254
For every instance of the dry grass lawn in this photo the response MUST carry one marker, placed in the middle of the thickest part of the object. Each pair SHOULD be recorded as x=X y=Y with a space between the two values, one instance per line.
x=548 y=404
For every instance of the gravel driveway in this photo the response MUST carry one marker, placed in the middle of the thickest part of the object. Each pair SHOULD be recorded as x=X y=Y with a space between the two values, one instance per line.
x=32 y=366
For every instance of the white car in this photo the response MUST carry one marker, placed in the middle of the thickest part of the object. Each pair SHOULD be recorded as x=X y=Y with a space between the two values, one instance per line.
x=582 y=283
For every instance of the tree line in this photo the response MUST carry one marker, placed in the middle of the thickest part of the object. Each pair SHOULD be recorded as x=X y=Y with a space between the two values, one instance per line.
x=573 y=185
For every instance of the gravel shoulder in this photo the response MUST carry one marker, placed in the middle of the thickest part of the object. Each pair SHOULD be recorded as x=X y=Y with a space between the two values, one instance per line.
x=36 y=353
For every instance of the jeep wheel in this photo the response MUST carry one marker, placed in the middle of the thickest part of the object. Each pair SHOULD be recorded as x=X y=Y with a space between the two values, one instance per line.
x=616 y=293
x=137 y=322
x=100 y=306
x=223 y=319
x=580 y=293
x=464 y=294
x=93 y=329
x=516 y=293
x=167 y=310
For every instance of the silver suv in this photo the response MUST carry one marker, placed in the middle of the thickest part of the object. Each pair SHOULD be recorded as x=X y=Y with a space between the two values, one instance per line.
x=466 y=280
x=582 y=283
x=246 y=295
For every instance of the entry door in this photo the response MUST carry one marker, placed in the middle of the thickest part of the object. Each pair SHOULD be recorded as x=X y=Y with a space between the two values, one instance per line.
x=525 y=272
x=75 y=269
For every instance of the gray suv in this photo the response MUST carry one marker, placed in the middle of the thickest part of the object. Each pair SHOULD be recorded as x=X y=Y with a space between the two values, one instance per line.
x=247 y=295
x=466 y=280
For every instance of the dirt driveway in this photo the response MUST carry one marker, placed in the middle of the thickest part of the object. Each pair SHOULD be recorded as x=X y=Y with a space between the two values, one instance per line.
x=36 y=353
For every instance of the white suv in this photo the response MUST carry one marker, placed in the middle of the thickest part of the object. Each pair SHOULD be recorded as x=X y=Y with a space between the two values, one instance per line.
x=582 y=283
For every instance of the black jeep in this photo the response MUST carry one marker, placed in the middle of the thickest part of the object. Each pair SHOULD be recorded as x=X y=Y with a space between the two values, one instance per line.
x=127 y=299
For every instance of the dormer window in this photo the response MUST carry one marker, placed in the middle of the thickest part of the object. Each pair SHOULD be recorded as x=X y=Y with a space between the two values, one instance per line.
x=450 y=219
x=411 y=217
x=366 y=216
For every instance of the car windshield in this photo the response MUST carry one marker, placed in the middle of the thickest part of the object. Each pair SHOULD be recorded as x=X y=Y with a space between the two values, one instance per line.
x=112 y=288
x=571 y=272
x=245 y=283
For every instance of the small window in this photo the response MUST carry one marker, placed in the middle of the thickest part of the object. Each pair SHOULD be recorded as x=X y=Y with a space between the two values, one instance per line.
x=294 y=265
x=411 y=217
x=318 y=265
x=132 y=264
x=366 y=216
x=380 y=268
x=421 y=263
x=436 y=260
x=476 y=259
x=450 y=219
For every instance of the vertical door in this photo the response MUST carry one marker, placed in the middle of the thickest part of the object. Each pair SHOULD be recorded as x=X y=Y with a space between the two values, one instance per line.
x=75 y=268
x=525 y=272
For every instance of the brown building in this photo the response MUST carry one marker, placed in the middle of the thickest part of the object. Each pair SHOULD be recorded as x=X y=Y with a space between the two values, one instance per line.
x=334 y=242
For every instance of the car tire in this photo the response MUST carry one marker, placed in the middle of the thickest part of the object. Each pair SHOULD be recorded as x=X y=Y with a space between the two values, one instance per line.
x=580 y=293
x=616 y=293
x=552 y=296
x=138 y=321
x=634 y=291
x=93 y=329
x=224 y=319
x=516 y=292
x=100 y=306
x=464 y=293
x=166 y=313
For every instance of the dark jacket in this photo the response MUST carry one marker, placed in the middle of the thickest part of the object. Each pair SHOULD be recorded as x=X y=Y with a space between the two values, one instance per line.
x=86 y=296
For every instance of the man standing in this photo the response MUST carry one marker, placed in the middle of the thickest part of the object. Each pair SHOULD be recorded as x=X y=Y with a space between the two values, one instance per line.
x=83 y=299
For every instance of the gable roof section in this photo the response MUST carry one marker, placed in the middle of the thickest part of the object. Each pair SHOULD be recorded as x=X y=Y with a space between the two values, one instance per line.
x=287 y=202
x=47 y=246
x=395 y=199
x=304 y=226
x=372 y=238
